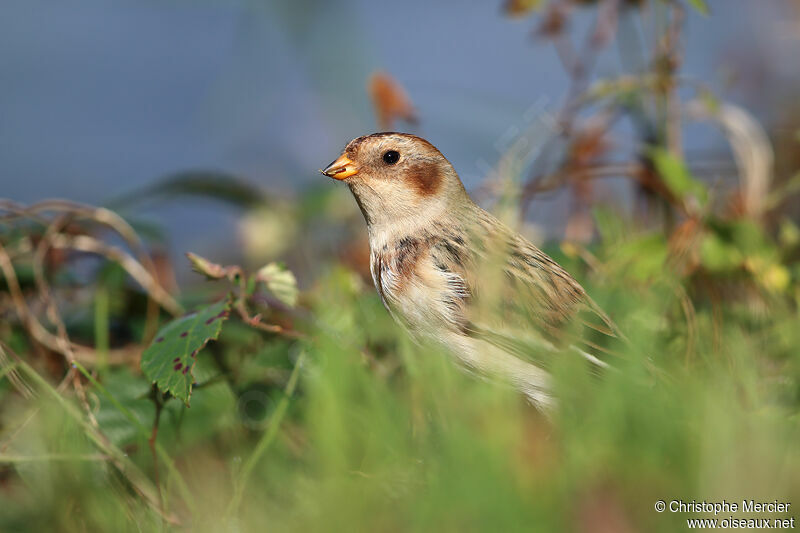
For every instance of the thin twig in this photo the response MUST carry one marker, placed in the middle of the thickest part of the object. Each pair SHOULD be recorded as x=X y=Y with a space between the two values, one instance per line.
x=100 y=215
x=31 y=323
x=236 y=274
x=150 y=284
x=111 y=220
x=142 y=274
x=43 y=290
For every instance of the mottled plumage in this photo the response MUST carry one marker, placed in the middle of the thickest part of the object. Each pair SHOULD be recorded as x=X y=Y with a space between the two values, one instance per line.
x=451 y=272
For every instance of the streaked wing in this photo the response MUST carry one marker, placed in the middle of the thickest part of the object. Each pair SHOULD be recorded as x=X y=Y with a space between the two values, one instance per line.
x=520 y=300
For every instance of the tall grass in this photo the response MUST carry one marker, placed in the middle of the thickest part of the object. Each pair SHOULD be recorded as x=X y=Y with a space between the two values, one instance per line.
x=330 y=418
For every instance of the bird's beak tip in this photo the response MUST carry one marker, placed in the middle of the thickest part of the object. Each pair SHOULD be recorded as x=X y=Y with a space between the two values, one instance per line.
x=341 y=168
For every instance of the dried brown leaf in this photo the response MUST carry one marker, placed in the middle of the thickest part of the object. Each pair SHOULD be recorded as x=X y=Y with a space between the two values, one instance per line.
x=391 y=101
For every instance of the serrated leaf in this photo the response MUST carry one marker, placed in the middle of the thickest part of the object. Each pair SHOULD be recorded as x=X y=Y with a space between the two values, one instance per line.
x=169 y=360
x=280 y=282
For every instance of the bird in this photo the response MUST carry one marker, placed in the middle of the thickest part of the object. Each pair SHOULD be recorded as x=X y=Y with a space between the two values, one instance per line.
x=451 y=272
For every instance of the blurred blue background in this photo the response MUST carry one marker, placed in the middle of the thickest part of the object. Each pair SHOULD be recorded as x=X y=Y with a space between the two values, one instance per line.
x=101 y=98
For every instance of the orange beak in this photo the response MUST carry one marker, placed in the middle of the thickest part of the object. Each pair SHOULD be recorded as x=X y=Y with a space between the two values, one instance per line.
x=341 y=168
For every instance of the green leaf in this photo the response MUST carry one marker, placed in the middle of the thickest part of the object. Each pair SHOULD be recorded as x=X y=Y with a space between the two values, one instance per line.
x=783 y=191
x=131 y=392
x=718 y=255
x=700 y=6
x=789 y=234
x=749 y=237
x=610 y=225
x=710 y=101
x=169 y=360
x=642 y=258
x=280 y=282
x=676 y=176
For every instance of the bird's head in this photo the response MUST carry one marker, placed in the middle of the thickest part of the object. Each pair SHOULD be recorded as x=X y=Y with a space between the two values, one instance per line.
x=398 y=179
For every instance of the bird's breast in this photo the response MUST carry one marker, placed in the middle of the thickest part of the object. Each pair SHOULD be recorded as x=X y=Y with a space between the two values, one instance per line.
x=395 y=266
x=412 y=288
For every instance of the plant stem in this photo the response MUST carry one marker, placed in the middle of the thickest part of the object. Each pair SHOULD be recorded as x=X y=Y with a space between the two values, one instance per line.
x=186 y=494
x=101 y=339
x=266 y=439
x=16 y=459
x=153 y=441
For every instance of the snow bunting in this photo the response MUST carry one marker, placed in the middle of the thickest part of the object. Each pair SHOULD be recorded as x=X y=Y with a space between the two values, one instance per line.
x=450 y=271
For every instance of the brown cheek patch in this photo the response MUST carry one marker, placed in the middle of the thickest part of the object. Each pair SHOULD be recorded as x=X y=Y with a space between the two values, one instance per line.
x=425 y=178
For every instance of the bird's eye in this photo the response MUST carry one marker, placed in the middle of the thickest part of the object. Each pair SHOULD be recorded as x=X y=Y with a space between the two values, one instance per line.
x=391 y=157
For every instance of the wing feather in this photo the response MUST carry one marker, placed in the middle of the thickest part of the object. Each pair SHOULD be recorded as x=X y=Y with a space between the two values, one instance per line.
x=517 y=298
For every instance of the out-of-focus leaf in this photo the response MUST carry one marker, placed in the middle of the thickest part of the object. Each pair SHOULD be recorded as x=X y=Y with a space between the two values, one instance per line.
x=676 y=176
x=642 y=258
x=718 y=255
x=25 y=277
x=749 y=237
x=169 y=360
x=789 y=234
x=592 y=2
x=769 y=274
x=783 y=191
x=391 y=101
x=610 y=225
x=553 y=20
x=521 y=8
x=700 y=6
x=210 y=184
x=203 y=266
x=710 y=101
x=280 y=282
x=268 y=232
x=131 y=391
x=326 y=202
x=743 y=243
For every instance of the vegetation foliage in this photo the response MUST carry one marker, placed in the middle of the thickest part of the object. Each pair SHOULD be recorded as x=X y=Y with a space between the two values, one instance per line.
x=271 y=407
